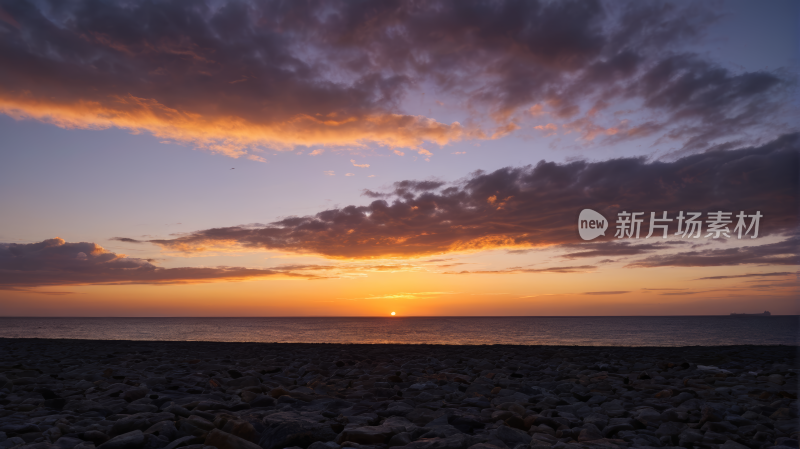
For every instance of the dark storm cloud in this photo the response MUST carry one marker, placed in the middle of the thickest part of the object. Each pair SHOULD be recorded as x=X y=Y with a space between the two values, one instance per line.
x=518 y=270
x=127 y=240
x=235 y=76
x=56 y=262
x=620 y=292
x=404 y=188
x=785 y=252
x=749 y=275
x=538 y=206
x=601 y=249
x=775 y=285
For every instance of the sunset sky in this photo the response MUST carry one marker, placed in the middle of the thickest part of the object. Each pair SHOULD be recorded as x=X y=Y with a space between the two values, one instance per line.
x=225 y=158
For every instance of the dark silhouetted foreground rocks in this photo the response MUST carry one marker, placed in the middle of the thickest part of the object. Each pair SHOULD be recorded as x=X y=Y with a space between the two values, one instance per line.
x=73 y=394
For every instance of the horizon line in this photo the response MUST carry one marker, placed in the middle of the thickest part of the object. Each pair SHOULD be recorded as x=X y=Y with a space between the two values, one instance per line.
x=412 y=316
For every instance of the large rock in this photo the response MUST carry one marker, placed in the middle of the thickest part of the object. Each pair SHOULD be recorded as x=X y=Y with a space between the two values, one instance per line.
x=83 y=406
x=165 y=429
x=776 y=379
x=396 y=409
x=261 y=401
x=401 y=439
x=325 y=445
x=224 y=440
x=182 y=441
x=298 y=432
x=130 y=440
x=134 y=394
x=194 y=425
x=781 y=413
x=52 y=434
x=19 y=428
x=460 y=441
x=128 y=425
x=241 y=429
x=589 y=434
x=543 y=439
x=365 y=435
x=646 y=416
x=689 y=436
x=511 y=436
x=12 y=442
x=211 y=406
x=177 y=410
x=709 y=414
x=154 y=442
x=610 y=431
x=730 y=444
x=141 y=408
x=670 y=429
x=95 y=436
x=247 y=381
x=67 y=442
x=85 y=445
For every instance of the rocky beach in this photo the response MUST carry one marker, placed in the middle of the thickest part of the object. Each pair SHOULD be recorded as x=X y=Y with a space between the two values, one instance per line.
x=86 y=394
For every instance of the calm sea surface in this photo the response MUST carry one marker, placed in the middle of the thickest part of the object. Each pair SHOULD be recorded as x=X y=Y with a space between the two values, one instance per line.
x=584 y=331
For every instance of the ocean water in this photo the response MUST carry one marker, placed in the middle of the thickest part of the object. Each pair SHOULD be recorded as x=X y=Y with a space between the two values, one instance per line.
x=582 y=331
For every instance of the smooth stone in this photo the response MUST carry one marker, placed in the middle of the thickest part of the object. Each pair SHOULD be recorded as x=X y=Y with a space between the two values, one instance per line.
x=130 y=440
x=512 y=436
x=730 y=444
x=295 y=432
x=224 y=440
x=95 y=436
x=323 y=445
x=67 y=442
x=183 y=441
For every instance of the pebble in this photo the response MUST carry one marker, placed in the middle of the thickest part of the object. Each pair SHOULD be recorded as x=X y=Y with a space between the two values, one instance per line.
x=83 y=394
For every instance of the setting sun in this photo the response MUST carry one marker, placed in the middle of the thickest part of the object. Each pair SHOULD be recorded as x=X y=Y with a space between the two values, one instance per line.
x=392 y=313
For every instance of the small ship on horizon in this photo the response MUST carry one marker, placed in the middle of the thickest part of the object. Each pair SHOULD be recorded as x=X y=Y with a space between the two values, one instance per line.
x=766 y=313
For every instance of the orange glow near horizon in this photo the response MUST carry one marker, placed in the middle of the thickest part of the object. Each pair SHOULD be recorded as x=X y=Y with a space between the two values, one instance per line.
x=410 y=294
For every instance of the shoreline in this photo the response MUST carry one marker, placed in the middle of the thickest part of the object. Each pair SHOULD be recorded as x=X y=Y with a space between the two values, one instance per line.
x=288 y=343
x=135 y=394
x=570 y=331
x=738 y=315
